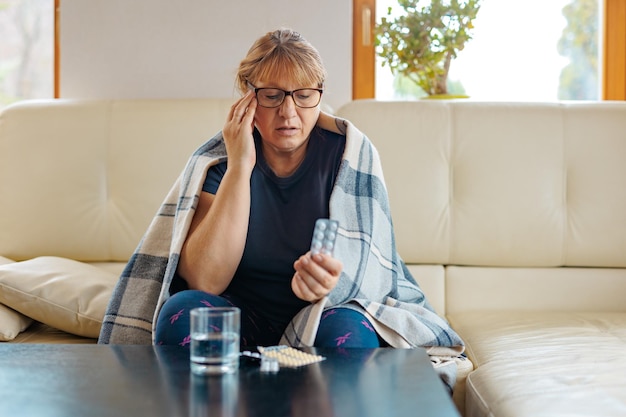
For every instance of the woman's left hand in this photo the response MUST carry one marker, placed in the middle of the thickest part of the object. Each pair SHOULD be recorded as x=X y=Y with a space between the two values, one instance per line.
x=315 y=276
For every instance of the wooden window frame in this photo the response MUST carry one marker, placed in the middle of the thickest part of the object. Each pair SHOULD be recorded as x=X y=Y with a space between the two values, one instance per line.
x=57 y=48
x=614 y=50
x=363 y=52
x=613 y=57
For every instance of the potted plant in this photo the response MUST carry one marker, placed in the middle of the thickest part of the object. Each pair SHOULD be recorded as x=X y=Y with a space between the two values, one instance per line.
x=420 y=43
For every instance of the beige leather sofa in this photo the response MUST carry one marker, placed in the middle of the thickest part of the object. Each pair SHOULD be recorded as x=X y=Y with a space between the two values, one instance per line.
x=521 y=208
x=512 y=217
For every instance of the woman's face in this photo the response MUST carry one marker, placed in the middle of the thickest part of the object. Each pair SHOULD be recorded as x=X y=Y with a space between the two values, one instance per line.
x=286 y=128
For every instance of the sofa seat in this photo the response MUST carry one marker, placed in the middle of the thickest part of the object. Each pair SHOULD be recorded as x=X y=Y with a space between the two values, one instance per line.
x=544 y=363
x=39 y=332
x=546 y=344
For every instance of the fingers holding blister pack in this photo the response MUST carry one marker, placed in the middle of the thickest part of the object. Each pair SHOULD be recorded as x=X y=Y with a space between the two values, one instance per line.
x=317 y=272
x=324 y=236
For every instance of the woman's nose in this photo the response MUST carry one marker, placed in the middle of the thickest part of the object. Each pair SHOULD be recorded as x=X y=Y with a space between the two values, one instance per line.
x=288 y=107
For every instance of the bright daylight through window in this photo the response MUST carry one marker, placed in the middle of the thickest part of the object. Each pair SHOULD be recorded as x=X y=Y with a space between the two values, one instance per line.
x=526 y=50
x=26 y=50
x=521 y=50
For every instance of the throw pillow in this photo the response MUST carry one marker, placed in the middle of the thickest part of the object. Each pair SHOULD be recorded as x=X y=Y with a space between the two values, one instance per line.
x=68 y=295
x=12 y=323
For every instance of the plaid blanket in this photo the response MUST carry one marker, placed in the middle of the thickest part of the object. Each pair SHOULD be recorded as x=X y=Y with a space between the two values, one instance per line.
x=375 y=280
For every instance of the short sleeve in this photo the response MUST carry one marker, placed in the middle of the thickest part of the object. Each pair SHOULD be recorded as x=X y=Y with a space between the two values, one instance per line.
x=214 y=178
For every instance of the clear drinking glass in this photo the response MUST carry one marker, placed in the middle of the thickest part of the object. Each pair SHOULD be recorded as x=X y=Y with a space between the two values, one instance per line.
x=215 y=340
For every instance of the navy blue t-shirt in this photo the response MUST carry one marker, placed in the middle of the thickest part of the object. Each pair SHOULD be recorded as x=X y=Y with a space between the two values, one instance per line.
x=282 y=216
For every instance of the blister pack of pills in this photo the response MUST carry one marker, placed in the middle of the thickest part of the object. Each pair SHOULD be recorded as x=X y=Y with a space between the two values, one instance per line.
x=289 y=357
x=324 y=236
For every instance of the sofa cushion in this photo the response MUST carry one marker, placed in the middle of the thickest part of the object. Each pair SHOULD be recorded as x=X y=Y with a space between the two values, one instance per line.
x=65 y=294
x=105 y=187
x=544 y=363
x=541 y=289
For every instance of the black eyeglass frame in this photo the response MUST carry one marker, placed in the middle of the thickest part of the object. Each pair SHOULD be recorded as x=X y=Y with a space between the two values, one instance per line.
x=286 y=93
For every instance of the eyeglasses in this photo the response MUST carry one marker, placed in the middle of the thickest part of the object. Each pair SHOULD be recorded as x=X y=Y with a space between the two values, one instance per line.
x=305 y=98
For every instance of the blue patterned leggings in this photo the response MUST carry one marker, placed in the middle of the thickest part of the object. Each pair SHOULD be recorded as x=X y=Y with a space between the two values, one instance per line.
x=339 y=327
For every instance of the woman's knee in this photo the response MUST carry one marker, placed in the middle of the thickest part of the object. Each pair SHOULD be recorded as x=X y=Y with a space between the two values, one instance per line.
x=173 y=321
x=346 y=327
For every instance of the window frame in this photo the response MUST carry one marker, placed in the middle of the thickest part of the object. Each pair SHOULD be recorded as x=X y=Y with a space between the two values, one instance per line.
x=57 y=48
x=614 y=50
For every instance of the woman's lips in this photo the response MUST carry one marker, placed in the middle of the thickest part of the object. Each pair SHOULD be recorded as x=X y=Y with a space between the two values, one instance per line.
x=288 y=130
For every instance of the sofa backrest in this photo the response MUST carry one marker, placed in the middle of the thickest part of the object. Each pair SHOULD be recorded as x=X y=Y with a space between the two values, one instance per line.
x=82 y=179
x=470 y=183
x=502 y=184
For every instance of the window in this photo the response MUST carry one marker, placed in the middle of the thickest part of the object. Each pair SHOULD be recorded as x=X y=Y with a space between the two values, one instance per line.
x=27 y=50
x=531 y=50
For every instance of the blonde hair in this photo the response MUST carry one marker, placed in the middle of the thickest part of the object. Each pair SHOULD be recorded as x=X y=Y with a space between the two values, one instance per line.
x=282 y=54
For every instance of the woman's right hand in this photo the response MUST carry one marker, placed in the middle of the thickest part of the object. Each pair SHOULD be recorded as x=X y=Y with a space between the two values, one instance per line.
x=238 y=130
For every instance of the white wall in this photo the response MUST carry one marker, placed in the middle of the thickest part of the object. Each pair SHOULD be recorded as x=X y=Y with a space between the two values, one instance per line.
x=190 y=48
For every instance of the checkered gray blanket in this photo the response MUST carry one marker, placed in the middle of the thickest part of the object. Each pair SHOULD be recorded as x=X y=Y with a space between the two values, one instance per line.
x=375 y=280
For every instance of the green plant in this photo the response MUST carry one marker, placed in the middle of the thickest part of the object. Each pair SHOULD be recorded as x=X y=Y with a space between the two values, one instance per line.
x=421 y=43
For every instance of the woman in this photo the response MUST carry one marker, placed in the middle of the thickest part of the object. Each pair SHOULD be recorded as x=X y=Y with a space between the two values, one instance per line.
x=256 y=213
x=245 y=209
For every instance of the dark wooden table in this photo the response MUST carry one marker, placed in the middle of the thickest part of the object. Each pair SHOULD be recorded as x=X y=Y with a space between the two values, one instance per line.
x=103 y=380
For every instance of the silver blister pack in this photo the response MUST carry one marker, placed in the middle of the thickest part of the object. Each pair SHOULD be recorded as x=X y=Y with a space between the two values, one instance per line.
x=324 y=236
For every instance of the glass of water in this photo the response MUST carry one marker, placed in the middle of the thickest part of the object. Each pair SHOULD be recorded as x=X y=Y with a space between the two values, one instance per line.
x=215 y=340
